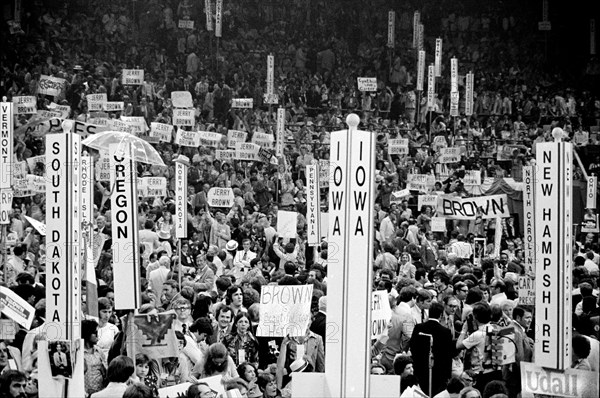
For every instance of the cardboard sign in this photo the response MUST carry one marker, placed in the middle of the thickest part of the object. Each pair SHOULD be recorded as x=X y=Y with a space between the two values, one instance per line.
x=263 y=139
x=572 y=383
x=24 y=105
x=456 y=208
x=399 y=196
x=313 y=205
x=246 y=151
x=184 y=117
x=438 y=224
x=137 y=124
x=133 y=76
x=367 y=83
x=398 y=146
x=554 y=224
x=125 y=226
x=49 y=85
x=234 y=136
x=186 y=24
x=287 y=222
x=449 y=155
x=225 y=155
x=96 y=102
x=526 y=290
x=154 y=186
x=182 y=99
x=381 y=314
x=65 y=110
x=210 y=138
x=284 y=310
x=16 y=308
x=427 y=200
x=114 y=106
x=242 y=103
x=37 y=225
x=220 y=197
x=162 y=131
x=472 y=178
x=187 y=138
x=8 y=329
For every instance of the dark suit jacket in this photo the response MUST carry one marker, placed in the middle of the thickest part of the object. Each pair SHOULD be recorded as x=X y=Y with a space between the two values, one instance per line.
x=443 y=352
x=318 y=325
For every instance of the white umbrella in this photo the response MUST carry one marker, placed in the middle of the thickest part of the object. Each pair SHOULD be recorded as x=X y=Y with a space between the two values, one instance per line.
x=142 y=150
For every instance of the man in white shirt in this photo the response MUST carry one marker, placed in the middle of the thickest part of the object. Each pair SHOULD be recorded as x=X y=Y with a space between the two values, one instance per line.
x=119 y=371
x=387 y=228
x=243 y=257
x=498 y=293
x=159 y=276
x=148 y=237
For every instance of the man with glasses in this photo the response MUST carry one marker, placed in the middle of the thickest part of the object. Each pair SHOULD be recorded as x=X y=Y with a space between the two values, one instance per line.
x=201 y=390
x=460 y=292
x=451 y=306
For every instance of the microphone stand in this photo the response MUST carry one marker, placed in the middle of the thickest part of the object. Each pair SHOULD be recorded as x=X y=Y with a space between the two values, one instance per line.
x=430 y=337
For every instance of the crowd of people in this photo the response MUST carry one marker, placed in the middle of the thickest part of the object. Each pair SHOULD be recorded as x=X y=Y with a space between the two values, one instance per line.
x=439 y=283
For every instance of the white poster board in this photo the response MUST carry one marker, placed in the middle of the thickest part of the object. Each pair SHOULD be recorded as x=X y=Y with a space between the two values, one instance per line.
x=284 y=310
x=287 y=222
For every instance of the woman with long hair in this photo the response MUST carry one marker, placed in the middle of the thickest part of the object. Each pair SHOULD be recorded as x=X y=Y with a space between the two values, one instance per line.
x=146 y=372
x=268 y=385
x=216 y=362
x=94 y=360
x=241 y=343
x=406 y=269
x=235 y=299
x=107 y=331
x=249 y=374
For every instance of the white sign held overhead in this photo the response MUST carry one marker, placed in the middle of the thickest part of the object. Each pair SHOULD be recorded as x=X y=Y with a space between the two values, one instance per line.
x=186 y=24
x=184 y=117
x=398 y=146
x=313 y=205
x=553 y=223
x=187 y=138
x=133 y=77
x=381 y=314
x=242 y=103
x=220 y=197
x=246 y=151
x=182 y=99
x=367 y=83
x=284 y=310
x=287 y=222
x=234 y=136
x=124 y=220
x=26 y=104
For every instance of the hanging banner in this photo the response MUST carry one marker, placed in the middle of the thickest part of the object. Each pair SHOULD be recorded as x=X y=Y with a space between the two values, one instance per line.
x=431 y=88
x=208 y=12
x=181 y=204
x=220 y=197
x=381 y=314
x=242 y=103
x=182 y=99
x=398 y=146
x=218 y=17
x=246 y=151
x=132 y=77
x=529 y=235
x=313 y=205
x=553 y=224
x=63 y=299
x=367 y=83
x=49 y=85
x=162 y=131
x=234 y=136
x=25 y=104
x=96 y=102
x=420 y=70
x=270 y=75
x=187 y=138
x=124 y=221
x=592 y=189
x=438 y=57
x=184 y=117
x=284 y=310
x=391 y=29
x=280 y=132
x=416 y=22
x=263 y=139
x=457 y=208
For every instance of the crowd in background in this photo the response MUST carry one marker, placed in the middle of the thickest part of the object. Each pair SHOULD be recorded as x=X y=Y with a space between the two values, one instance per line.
x=438 y=283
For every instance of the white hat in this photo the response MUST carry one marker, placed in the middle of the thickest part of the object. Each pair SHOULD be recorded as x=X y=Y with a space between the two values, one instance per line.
x=231 y=245
x=164 y=234
x=299 y=365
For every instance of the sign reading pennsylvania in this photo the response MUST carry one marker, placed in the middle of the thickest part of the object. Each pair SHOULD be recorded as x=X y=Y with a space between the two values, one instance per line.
x=457 y=208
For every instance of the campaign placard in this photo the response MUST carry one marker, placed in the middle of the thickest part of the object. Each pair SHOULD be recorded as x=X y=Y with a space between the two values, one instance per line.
x=367 y=83
x=25 y=104
x=427 y=200
x=16 y=308
x=449 y=155
x=182 y=99
x=225 y=155
x=210 y=138
x=49 y=85
x=526 y=290
x=185 y=24
x=246 y=151
x=187 y=138
x=132 y=77
x=284 y=310
x=220 y=197
x=162 y=131
x=381 y=314
x=234 y=136
x=183 y=117
x=398 y=146
x=96 y=102
x=263 y=139
x=242 y=103
x=544 y=382
x=287 y=222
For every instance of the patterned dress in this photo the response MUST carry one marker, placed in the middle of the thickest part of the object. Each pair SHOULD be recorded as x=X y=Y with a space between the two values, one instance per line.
x=95 y=370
